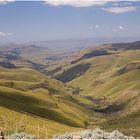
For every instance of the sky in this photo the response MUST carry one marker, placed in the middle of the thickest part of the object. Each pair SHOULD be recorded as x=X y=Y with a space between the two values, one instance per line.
x=26 y=21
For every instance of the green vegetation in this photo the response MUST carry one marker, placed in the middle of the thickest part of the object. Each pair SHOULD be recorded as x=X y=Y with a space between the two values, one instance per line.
x=24 y=91
x=102 y=89
x=113 y=83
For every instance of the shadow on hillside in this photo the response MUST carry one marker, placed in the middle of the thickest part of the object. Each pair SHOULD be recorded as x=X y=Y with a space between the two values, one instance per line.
x=7 y=65
x=128 y=67
x=73 y=72
x=33 y=106
x=94 y=53
x=110 y=109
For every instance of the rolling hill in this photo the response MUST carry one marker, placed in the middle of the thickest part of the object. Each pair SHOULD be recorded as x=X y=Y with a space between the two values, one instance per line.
x=40 y=58
x=98 y=87
x=112 y=81
x=27 y=92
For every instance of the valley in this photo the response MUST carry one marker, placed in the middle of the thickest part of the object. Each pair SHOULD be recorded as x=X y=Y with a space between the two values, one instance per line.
x=49 y=91
x=69 y=69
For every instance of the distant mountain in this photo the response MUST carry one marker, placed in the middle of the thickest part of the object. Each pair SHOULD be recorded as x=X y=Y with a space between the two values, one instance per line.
x=72 y=45
x=32 y=56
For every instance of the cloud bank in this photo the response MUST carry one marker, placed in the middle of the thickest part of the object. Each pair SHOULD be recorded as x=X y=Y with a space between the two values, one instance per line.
x=84 y=3
x=76 y=3
x=118 y=6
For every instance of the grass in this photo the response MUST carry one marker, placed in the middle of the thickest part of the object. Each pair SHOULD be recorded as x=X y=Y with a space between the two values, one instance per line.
x=38 y=127
x=104 y=79
x=50 y=103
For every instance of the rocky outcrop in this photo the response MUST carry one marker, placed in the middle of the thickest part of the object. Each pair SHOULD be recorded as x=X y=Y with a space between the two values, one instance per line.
x=93 y=134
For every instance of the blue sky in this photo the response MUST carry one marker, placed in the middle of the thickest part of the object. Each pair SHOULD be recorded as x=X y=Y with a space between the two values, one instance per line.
x=62 y=19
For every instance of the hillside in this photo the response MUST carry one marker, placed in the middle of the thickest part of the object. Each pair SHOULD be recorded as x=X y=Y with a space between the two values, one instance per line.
x=111 y=81
x=100 y=87
x=41 y=100
x=40 y=58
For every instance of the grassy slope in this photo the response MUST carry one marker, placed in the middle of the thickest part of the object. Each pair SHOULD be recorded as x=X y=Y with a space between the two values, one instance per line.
x=114 y=77
x=103 y=70
x=104 y=80
x=49 y=104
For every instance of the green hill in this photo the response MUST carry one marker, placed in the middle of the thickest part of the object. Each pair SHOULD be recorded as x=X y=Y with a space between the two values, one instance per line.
x=101 y=88
x=112 y=82
x=28 y=92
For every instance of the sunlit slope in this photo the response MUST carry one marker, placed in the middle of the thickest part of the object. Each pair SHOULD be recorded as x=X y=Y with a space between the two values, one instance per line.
x=111 y=81
x=26 y=91
x=115 y=77
x=105 y=69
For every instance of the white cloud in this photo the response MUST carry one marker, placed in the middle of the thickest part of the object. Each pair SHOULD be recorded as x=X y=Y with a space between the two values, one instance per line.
x=82 y=3
x=2 y=34
x=121 y=6
x=75 y=3
x=6 y=1
x=118 y=10
x=94 y=27
x=97 y=26
x=121 y=27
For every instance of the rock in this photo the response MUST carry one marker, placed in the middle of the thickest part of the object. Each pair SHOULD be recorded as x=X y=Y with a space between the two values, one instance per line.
x=20 y=135
x=92 y=134
x=76 y=137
